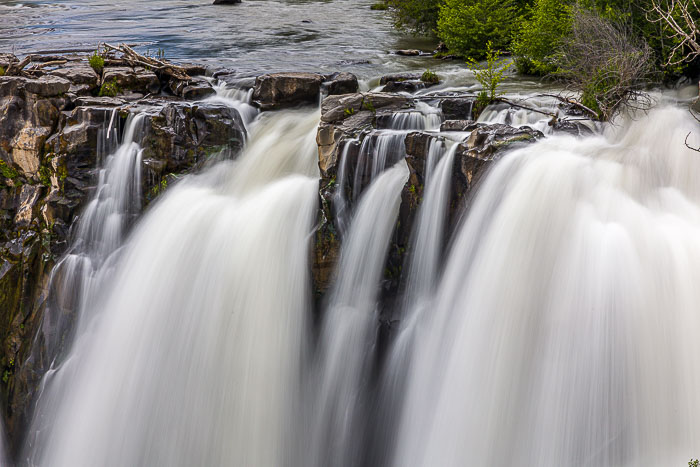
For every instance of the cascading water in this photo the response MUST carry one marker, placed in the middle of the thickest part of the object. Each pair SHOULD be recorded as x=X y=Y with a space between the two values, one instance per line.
x=378 y=150
x=565 y=326
x=350 y=327
x=194 y=356
x=98 y=233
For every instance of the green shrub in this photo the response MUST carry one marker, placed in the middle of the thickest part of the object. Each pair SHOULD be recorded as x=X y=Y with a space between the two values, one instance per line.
x=430 y=77
x=540 y=36
x=467 y=25
x=490 y=74
x=8 y=171
x=110 y=89
x=96 y=62
x=694 y=463
x=417 y=16
x=381 y=6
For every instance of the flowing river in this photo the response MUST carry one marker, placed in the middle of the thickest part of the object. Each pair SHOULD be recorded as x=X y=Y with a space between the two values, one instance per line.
x=556 y=324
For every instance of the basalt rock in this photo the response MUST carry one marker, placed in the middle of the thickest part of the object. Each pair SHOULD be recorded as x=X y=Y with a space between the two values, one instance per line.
x=458 y=108
x=196 y=88
x=341 y=83
x=345 y=117
x=136 y=79
x=283 y=90
x=182 y=136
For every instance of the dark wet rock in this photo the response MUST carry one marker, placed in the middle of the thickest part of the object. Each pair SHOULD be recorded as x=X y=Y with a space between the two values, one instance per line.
x=408 y=52
x=341 y=83
x=459 y=125
x=571 y=127
x=458 y=108
x=226 y=2
x=283 y=90
x=489 y=141
x=182 y=136
x=134 y=79
x=338 y=108
x=404 y=86
x=196 y=88
x=398 y=77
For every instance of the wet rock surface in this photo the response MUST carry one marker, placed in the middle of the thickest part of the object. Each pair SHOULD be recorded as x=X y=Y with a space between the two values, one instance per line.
x=285 y=90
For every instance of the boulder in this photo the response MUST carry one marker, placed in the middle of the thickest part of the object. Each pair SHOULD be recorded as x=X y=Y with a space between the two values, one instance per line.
x=182 y=135
x=459 y=125
x=458 y=108
x=487 y=142
x=283 y=90
x=341 y=83
x=226 y=2
x=196 y=88
x=28 y=198
x=134 y=79
x=398 y=77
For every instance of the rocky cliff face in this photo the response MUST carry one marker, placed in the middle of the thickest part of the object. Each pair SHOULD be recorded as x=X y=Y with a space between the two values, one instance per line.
x=53 y=127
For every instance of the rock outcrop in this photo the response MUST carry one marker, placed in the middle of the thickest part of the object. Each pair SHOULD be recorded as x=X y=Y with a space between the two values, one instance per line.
x=284 y=90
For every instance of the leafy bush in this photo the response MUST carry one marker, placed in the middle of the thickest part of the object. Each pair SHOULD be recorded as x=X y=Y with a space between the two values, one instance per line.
x=96 y=62
x=417 y=16
x=490 y=74
x=380 y=6
x=467 y=25
x=430 y=77
x=540 y=36
x=110 y=89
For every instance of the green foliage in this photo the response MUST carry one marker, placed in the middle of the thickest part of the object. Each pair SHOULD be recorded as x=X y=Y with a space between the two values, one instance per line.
x=429 y=77
x=2 y=71
x=97 y=62
x=367 y=105
x=416 y=16
x=490 y=74
x=466 y=26
x=379 y=6
x=110 y=89
x=349 y=111
x=694 y=463
x=7 y=171
x=45 y=175
x=540 y=35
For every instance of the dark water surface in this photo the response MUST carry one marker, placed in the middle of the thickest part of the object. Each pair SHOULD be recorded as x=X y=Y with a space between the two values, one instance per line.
x=254 y=36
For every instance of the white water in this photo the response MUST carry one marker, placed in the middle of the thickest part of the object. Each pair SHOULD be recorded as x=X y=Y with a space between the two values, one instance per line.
x=98 y=233
x=196 y=354
x=565 y=330
x=350 y=326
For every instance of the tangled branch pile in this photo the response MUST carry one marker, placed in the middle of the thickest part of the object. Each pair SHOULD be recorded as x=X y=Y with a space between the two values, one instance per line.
x=679 y=18
x=607 y=63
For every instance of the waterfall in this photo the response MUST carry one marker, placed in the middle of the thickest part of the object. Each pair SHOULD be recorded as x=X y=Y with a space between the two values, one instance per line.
x=195 y=353
x=350 y=326
x=565 y=326
x=98 y=233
